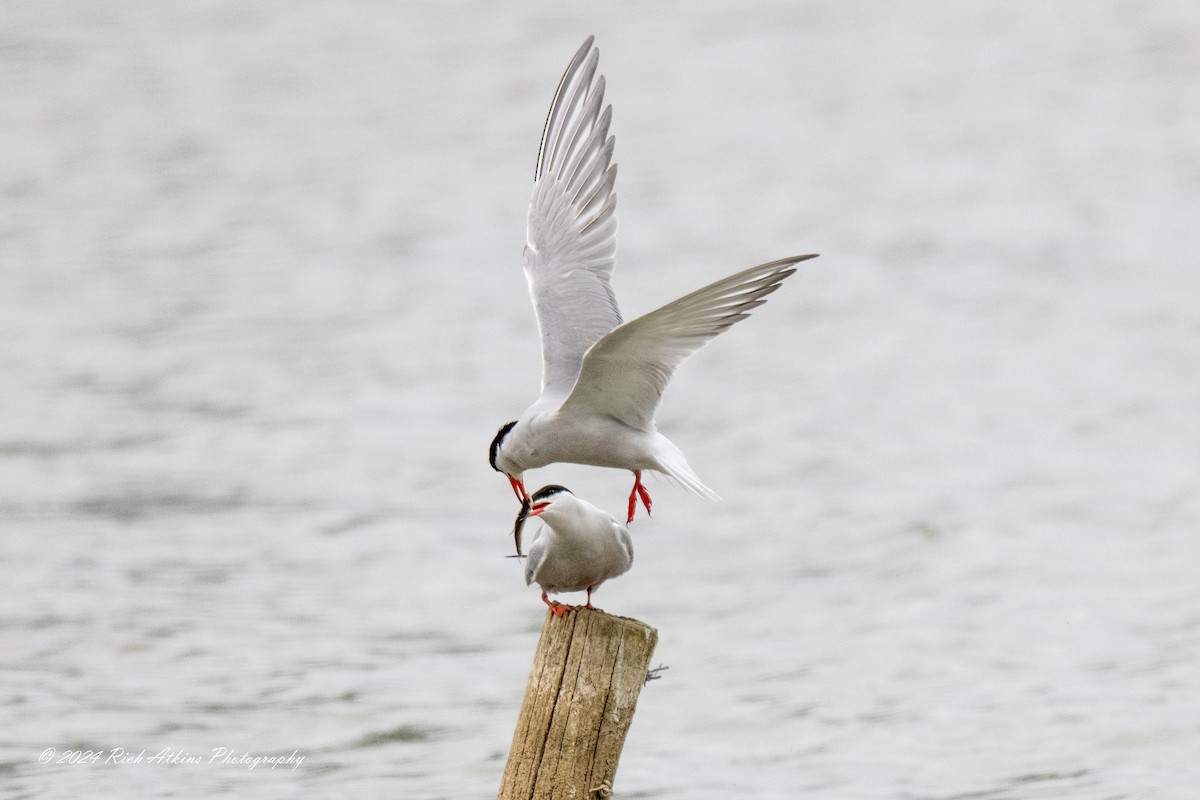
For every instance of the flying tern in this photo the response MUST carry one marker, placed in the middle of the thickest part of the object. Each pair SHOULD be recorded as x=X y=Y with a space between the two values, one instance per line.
x=603 y=378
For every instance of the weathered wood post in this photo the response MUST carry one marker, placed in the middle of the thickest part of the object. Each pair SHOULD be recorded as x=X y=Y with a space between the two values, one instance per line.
x=587 y=673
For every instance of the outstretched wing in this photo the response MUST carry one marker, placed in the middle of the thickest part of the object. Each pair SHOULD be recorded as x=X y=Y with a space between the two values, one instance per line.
x=571 y=239
x=624 y=374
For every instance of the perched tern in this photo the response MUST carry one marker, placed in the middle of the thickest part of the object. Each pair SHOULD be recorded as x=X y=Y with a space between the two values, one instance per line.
x=579 y=547
x=603 y=378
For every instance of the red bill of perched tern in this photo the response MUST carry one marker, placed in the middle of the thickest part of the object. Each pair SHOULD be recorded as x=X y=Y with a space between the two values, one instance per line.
x=602 y=378
x=579 y=547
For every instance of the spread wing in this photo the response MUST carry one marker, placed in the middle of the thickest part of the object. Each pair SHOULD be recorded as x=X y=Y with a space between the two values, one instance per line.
x=571 y=237
x=624 y=374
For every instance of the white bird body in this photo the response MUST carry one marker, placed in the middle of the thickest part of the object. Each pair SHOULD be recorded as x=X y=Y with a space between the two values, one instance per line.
x=579 y=547
x=603 y=378
x=549 y=434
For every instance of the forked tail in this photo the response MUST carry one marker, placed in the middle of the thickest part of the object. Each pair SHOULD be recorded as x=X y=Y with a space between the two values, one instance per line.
x=676 y=469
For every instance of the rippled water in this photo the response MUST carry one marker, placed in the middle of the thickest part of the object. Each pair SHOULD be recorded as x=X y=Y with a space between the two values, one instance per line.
x=261 y=312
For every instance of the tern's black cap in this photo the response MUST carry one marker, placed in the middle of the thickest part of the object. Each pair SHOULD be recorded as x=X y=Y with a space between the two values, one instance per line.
x=495 y=449
x=547 y=491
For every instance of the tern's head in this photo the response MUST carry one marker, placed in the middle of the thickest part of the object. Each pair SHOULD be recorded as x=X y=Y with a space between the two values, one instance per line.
x=547 y=497
x=498 y=443
x=514 y=475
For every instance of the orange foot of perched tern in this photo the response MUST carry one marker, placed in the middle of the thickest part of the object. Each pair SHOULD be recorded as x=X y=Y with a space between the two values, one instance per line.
x=559 y=609
x=637 y=491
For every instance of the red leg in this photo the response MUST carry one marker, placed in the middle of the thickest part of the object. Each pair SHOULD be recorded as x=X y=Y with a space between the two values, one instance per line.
x=559 y=609
x=589 y=601
x=642 y=493
x=638 y=491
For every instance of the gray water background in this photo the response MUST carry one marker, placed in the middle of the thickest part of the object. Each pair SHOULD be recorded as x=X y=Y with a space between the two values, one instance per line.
x=261 y=312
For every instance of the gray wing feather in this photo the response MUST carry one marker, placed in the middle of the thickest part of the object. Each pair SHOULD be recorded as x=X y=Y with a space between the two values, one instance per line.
x=626 y=540
x=571 y=236
x=624 y=374
x=537 y=551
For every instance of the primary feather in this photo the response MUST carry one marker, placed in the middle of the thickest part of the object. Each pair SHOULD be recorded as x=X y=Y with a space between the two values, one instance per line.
x=624 y=374
x=571 y=236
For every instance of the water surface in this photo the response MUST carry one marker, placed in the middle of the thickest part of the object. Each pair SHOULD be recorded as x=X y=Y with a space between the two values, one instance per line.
x=261 y=311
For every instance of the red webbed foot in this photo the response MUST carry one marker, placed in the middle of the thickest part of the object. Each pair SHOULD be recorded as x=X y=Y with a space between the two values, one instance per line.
x=559 y=609
x=638 y=491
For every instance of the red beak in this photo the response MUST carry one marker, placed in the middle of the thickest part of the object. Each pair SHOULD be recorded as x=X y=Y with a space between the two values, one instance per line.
x=518 y=488
x=538 y=508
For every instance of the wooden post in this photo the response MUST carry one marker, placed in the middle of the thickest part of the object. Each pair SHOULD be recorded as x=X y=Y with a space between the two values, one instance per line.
x=587 y=673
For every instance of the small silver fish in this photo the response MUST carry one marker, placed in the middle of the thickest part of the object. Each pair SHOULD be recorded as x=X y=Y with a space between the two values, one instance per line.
x=522 y=515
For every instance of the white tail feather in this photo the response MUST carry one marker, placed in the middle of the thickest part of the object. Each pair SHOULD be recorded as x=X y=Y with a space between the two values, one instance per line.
x=677 y=470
